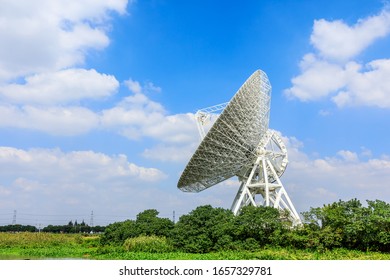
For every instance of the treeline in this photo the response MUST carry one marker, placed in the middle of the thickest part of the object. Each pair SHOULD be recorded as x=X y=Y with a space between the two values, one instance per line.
x=342 y=224
x=17 y=228
x=71 y=227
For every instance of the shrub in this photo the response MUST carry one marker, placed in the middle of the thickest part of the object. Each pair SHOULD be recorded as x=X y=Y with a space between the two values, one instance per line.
x=148 y=244
x=203 y=230
x=262 y=224
x=147 y=223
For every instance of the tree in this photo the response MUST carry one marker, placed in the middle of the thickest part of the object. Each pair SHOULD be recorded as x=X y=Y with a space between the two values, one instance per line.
x=118 y=232
x=262 y=224
x=350 y=225
x=204 y=229
x=147 y=223
x=378 y=233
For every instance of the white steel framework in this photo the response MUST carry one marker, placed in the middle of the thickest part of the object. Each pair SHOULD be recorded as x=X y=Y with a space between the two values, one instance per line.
x=204 y=117
x=262 y=179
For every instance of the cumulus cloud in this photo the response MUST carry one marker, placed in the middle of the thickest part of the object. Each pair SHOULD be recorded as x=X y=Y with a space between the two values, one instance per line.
x=137 y=116
x=53 y=166
x=313 y=181
x=49 y=109
x=318 y=78
x=41 y=87
x=330 y=70
x=66 y=121
x=173 y=153
x=136 y=88
x=60 y=87
x=337 y=40
x=48 y=35
x=58 y=182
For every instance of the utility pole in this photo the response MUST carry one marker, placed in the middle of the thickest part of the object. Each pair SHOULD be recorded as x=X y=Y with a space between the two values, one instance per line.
x=14 y=218
x=91 y=221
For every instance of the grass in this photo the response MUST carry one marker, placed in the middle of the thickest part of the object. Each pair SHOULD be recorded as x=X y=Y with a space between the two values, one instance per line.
x=263 y=254
x=46 y=245
x=76 y=246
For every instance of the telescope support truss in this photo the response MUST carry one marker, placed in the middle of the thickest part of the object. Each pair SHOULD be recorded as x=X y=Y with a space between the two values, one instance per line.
x=203 y=116
x=273 y=194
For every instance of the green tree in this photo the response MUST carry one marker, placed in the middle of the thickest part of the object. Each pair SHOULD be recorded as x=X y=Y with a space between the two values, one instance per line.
x=204 y=229
x=350 y=225
x=118 y=232
x=378 y=225
x=263 y=224
x=147 y=223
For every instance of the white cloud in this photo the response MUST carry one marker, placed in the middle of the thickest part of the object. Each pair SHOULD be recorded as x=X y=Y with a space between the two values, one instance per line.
x=370 y=87
x=56 y=182
x=137 y=116
x=337 y=40
x=42 y=42
x=173 y=153
x=348 y=156
x=49 y=35
x=318 y=79
x=133 y=86
x=331 y=72
x=314 y=181
x=150 y=87
x=65 y=121
x=179 y=128
x=59 y=35
x=60 y=87
x=136 y=88
x=51 y=166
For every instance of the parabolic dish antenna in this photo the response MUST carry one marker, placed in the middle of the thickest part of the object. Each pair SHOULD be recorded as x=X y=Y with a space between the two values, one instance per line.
x=240 y=144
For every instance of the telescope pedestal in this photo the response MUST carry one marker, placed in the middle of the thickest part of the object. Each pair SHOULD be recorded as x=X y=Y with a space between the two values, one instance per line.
x=257 y=184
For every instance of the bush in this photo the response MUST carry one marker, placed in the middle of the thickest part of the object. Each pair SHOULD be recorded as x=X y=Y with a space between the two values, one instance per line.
x=148 y=244
x=203 y=230
x=263 y=224
x=147 y=223
x=349 y=225
x=118 y=232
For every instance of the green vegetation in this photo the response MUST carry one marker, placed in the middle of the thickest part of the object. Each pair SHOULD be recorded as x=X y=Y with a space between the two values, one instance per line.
x=341 y=230
x=147 y=223
x=46 y=245
x=71 y=227
x=339 y=225
x=148 y=244
x=76 y=246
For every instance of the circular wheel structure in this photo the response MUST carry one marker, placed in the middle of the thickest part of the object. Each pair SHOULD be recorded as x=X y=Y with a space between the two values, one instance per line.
x=272 y=147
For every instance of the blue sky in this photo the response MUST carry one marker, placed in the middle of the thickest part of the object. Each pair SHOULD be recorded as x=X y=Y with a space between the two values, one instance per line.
x=97 y=100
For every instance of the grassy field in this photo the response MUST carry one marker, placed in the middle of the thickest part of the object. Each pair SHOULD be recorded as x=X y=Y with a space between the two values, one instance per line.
x=75 y=246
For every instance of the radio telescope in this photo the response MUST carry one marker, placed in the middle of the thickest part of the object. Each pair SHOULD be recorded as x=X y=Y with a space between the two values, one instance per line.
x=239 y=143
